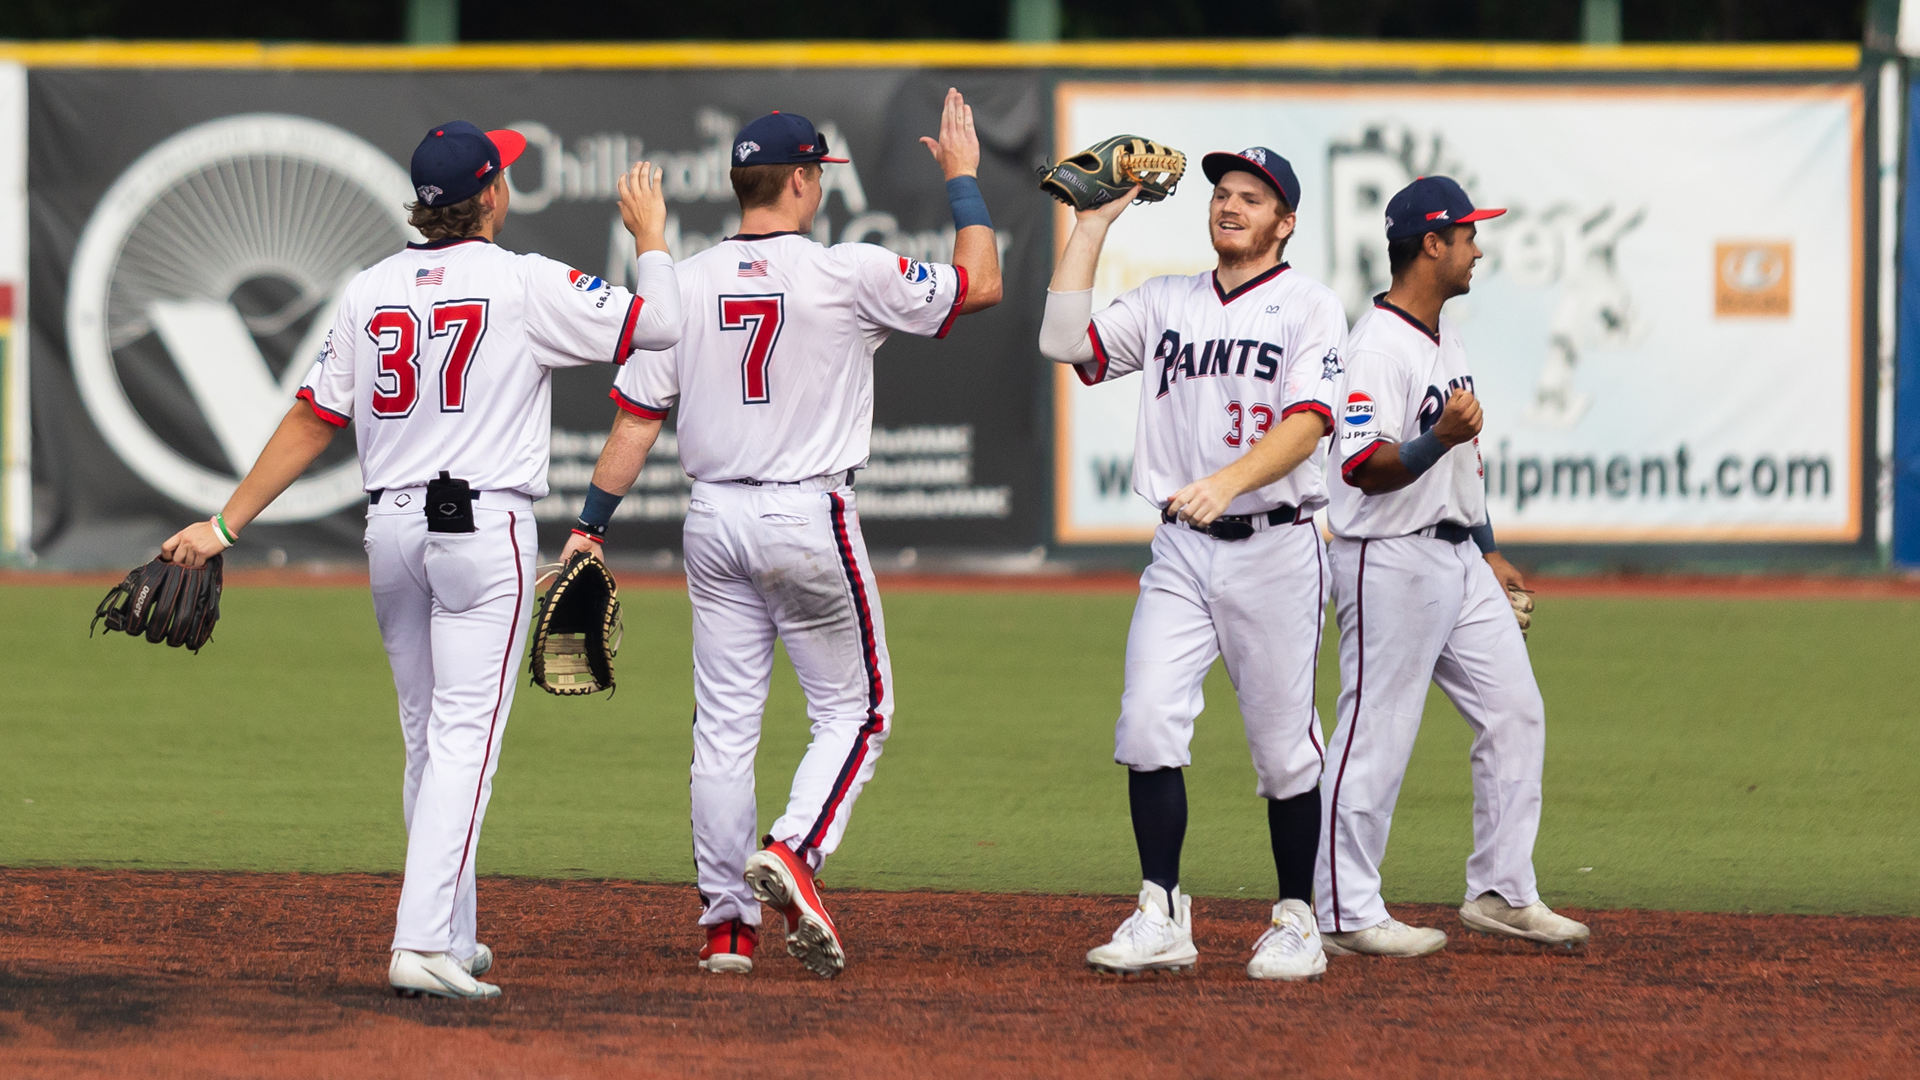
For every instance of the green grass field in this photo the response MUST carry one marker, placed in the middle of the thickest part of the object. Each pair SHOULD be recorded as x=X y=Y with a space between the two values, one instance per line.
x=1702 y=755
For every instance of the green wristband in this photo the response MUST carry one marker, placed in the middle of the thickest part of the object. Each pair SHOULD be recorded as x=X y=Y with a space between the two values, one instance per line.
x=220 y=525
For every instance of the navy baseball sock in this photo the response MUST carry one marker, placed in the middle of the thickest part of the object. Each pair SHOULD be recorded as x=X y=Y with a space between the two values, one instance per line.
x=1158 y=800
x=1294 y=827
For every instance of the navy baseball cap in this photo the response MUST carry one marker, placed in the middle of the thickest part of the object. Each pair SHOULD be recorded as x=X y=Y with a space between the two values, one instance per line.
x=456 y=161
x=1261 y=162
x=1430 y=204
x=781 y=139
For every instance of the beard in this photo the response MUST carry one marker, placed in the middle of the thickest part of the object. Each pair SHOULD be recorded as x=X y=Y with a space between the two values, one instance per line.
x=1248 y=245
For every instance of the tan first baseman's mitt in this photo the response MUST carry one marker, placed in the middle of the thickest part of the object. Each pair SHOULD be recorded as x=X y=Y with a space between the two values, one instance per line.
x=577 y=630
x=1108 y=169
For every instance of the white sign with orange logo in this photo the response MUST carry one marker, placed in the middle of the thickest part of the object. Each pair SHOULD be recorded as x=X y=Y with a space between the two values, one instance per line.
x=1665 y=331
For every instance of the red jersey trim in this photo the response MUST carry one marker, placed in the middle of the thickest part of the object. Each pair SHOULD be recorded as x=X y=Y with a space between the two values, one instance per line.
x=624 y=348
x=1099 y=356
x=1359 y=459
x=959 y=297
x=1325 y=411
x=627 y=404
x=321 y=411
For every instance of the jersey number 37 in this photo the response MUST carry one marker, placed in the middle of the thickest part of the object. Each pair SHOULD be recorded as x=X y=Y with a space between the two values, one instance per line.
x=397 y=335
x=761 y=316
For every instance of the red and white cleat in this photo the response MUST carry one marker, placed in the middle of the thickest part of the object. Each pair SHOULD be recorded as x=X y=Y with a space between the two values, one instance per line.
x=784 y=881
x=729 y=948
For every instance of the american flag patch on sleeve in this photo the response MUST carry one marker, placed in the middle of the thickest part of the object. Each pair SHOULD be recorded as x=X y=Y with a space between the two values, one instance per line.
x=756 y=268
x=429 y=277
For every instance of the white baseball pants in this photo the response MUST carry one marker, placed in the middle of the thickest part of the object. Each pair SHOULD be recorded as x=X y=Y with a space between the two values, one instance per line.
x=453 y=610
x=1257 y=603
x=785 y=561
x=1414 y=609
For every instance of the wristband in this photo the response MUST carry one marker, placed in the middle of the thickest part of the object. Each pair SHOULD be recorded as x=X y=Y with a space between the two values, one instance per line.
x=1421 y=454
x=969 y=206
x=220 y=530
x=597 y=512
x=1483 y=538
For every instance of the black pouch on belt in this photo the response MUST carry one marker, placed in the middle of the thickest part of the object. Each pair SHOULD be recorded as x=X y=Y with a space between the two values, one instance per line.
x=449 y=505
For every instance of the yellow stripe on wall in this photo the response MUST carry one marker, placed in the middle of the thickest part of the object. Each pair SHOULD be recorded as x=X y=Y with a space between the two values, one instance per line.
x=1291 y=54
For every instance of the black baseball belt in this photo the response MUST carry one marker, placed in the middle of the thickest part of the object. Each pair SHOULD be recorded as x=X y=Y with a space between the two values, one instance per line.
x=1240 y=526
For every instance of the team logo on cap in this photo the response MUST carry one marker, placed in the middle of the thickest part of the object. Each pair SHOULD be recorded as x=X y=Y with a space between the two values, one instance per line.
x=746 y=148
x=1256 y=155
x=1359 y=410
x=1437 y=215
x=428 y=193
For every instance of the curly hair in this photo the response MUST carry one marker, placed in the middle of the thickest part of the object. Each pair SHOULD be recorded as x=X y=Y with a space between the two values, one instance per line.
x=448 y=222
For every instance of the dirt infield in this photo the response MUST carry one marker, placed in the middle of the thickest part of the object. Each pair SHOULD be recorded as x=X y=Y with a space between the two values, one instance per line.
x=106 y=973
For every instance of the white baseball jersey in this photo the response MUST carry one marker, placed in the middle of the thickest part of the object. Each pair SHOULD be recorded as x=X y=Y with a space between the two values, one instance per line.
x=1398 y=376
x=443 y=353
x=1220 y=369
x=774 y=370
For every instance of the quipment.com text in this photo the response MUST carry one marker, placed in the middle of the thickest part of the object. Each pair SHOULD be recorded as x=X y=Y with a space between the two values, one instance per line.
x=1683 y=473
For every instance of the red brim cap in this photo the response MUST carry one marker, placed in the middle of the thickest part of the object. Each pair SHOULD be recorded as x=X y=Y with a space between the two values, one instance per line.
x=510 y=143
x=1482 y=215
x=833 y=160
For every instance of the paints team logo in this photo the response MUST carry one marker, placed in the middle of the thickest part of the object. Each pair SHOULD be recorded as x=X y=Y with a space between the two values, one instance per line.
x=1359 y=410
x=746 y=150
x=584 y=282
x=1256 y=154
x=206 y=271
x=429 y=192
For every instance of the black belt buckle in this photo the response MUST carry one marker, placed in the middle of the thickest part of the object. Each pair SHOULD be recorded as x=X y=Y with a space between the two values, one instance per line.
x=449 y=505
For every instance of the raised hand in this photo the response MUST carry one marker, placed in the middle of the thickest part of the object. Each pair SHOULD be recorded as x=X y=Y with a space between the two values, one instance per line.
x=957 y=150
x=643 y=207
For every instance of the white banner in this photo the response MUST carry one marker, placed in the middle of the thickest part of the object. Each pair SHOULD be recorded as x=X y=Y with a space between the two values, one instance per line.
x=1665 y=332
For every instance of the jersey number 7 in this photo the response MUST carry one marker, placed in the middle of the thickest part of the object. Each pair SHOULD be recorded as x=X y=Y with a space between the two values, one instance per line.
x=761 y=315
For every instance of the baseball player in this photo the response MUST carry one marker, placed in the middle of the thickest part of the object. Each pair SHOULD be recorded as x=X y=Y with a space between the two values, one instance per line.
x=1236 y=389
x=1421 y=594
x=773 y=378
x=442 y=355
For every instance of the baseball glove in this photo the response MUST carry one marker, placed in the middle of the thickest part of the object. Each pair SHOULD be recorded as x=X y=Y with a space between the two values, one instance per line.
x=165 y=602
x=576 y=629
x=1522 y=602
x=1108 y=170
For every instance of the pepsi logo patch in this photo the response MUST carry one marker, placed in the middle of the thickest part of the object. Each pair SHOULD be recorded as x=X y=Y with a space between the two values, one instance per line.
x=584 y=282
x=1359 y=410
x=913 y=271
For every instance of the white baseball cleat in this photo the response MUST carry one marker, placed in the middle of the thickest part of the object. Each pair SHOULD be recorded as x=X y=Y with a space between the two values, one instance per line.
x=1390 y=938
x=1536 y=922
x=480 y=962
x=1290 y=949
x=1158 y=936
x=437 y=974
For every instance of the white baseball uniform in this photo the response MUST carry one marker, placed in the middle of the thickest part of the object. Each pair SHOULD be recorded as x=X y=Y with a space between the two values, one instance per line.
x=1416 y=607
x=443 y=354
x=1219 y=369
x=773 y=377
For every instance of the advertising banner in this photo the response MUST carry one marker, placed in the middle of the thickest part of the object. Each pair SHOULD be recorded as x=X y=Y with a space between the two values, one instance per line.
x=1665 y=331
x=192 y=229
x=16 y=486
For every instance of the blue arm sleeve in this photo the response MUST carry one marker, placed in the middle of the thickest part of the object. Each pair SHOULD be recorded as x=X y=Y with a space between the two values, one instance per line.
x=1483 y=538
